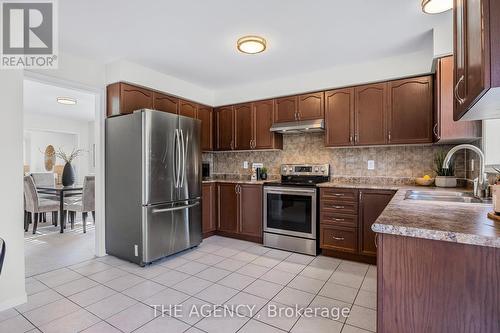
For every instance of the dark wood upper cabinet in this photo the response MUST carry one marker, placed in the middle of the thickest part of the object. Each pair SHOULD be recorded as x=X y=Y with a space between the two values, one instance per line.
x=370 y=103
x=227 y=202
x=286 y=109
x=166 y=103
x=224 y=121
x=477 y=56
x=123 y=98
x=263 y=138
x=339 y=117
x=371 y=204
x=311 y=106
x=250 y=210
x=187 y=109
x=209 y=209
x=243 y=126
x=205 y=114
x=445 y=129
x=410 y=111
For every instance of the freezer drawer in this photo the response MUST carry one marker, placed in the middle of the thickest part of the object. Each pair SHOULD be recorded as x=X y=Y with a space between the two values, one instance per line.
x=170 y=228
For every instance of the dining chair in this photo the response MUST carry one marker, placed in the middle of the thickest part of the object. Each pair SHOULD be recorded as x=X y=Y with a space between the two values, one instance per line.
x=44 y=179
x=36 y=205
x=82 y=204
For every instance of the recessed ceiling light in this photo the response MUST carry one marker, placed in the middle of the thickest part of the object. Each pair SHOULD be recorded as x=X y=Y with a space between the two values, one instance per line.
x=66 y=100
x=436 y=6
x=251 y=44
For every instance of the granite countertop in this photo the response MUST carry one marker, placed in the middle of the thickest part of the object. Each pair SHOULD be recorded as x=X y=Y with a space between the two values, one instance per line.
x=236 y=181
x=464 y=223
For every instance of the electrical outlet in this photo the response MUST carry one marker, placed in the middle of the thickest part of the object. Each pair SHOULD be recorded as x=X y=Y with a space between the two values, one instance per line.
x=371 y=165
x=245 y=165
x=472 y=165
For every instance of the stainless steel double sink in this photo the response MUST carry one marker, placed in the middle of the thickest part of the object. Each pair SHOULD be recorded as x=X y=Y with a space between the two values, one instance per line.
x=446 y=196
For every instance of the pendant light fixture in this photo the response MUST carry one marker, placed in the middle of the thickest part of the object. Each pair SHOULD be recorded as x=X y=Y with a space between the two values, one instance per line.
x=436 y=6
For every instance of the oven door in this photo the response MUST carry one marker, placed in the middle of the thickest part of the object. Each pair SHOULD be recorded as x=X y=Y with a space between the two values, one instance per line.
x=290 y=211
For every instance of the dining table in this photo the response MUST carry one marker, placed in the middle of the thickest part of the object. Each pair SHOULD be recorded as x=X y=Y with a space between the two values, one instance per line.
x=61 y=191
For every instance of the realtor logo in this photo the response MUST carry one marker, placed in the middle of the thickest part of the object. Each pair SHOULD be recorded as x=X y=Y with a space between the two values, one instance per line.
x=29 y=38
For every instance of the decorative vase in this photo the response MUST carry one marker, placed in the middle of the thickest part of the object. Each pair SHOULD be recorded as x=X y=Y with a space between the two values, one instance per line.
x=446 y=181
x=68 y=175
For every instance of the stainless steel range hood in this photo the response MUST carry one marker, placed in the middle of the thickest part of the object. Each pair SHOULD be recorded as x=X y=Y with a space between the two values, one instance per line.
x=301 y=126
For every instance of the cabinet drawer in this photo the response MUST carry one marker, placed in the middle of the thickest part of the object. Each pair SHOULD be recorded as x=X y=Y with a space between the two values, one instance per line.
x=339 y=219
x=339 y=194
x=339 y=238
x=340 y=207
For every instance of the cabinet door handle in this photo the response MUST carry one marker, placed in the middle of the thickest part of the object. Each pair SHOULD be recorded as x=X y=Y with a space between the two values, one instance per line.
x=232 y=145
x=459 y=99
x=338 y=238
x=356 y=138
x=376 y=240
x=338 y=194
x=434 y=130
x=338 y=207
x=389 y=136
x=350 y=138
x=339 y=220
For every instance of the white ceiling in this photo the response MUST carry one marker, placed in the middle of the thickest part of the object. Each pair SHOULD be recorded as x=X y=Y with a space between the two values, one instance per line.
x=194 y=40
x=40 y=99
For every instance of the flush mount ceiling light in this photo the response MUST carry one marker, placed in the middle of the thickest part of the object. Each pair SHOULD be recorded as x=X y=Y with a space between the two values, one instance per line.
x=251 y=44
x=436 y=6
x=66 y=100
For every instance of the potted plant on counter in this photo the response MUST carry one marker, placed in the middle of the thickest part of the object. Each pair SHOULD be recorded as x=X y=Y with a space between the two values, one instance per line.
x=263 y=173
x=444 y=177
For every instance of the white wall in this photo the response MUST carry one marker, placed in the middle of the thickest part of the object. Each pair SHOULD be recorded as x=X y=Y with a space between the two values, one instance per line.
x=491 y=138
x=12 y=289
x=43 y=130
x=130 y=72
x=443 y=36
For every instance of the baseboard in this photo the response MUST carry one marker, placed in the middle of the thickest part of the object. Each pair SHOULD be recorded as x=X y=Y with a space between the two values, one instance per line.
x=10 y=303
x=255 y=239
x=349 y=256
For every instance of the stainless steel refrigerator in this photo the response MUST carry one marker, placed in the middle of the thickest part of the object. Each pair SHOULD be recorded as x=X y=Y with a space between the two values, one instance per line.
x=153 y=185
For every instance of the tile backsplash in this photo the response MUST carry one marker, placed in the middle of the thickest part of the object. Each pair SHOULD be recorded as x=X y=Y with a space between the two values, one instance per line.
x=390 y=161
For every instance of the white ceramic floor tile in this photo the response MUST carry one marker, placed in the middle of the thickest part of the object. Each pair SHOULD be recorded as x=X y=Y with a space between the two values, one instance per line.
x=353 y=267
x=369 y=284
x=110 y=306
x=266 y=262
x=325 y=262
x=213 y=274
x=73 y=322
x=76 y=286
x=101 y=327
x=192 y=267
x=51 y=311
x=253 y=326
x=34 y=286
x=317 y=273
x=270 y=315
x=216 y=294
x=170 y=278
x=245 y=256
x=124 y=282
x=290 y=267
x=192 y=285
x=292 y=297
x=347 y=279
x=226 y=252
x=352 y=329
x=174 y=262
x=16 y=324
x=144 y=290
x=307 y=284
x=264 y=289
x=221 y=324
x=277 y=276
x=132 y=318
x=246 y=304
x=107 y=275
x=339 y=310
x=237 y=281
x=337 y=291
x=363 y=318
x=7 y=314
x=277 y=254
x=230 y=264
x=316 y=325
x=164 y=324
x=39 y=299
x=192 y=254
x=110 y=260
x=193 y=310
x=58 y=277
x=367 y=299
x=92 y=295
x=147 y=272
x=253 y=270
x=258 y=250
x=210 y=259
x=167 y=297
x=90 y=267
x=298 y=258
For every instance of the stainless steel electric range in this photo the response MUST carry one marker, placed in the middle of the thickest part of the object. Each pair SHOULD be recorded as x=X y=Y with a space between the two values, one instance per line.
x=291 y=208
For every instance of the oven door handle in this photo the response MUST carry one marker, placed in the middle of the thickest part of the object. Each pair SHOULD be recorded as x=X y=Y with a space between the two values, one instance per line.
x=276 y=190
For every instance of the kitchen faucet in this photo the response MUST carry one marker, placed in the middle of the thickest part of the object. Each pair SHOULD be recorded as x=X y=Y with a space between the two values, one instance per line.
x=480 y=183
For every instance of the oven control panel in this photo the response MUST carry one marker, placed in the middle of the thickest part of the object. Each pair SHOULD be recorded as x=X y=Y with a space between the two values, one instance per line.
x=305 y=170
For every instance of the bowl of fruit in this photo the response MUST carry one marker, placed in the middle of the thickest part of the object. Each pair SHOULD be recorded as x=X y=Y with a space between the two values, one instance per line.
x=424 y=181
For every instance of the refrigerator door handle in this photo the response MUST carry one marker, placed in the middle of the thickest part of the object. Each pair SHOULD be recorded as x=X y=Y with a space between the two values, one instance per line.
x=163 y=210
x=177 y=169
x=184 y=153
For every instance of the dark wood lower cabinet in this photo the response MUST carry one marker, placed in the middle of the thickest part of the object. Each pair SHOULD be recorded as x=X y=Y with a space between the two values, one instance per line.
x=239 y=209
x=436 y=286
x=346 y=217
x=209 y=209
